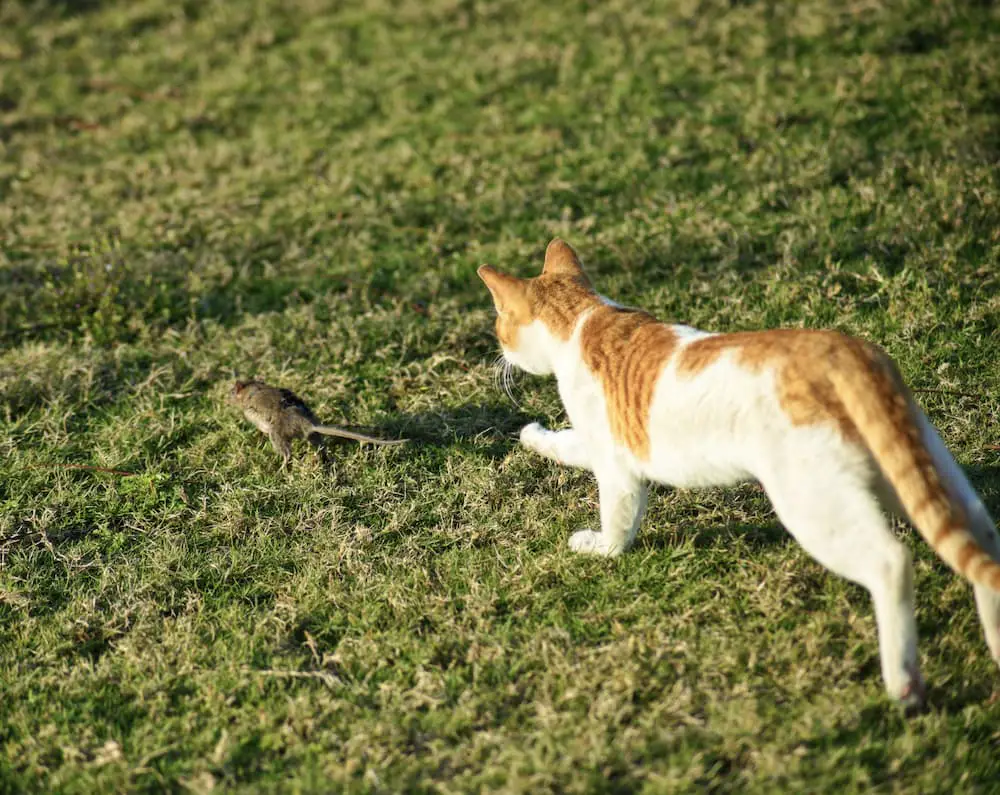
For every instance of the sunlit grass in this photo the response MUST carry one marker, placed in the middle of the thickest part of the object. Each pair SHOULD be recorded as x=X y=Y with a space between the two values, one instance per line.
x=302 y=191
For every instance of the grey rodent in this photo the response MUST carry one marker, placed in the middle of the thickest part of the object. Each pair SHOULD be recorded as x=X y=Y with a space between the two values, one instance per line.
x=284 y=416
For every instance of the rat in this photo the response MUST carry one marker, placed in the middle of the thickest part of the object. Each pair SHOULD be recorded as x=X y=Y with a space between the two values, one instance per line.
x=284 y=416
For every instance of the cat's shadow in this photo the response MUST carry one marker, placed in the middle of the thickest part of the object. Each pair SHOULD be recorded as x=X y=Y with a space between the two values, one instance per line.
x=985 y=479
x=756 y=537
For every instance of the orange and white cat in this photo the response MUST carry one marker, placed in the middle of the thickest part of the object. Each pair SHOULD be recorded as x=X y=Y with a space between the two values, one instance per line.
x=821 y=420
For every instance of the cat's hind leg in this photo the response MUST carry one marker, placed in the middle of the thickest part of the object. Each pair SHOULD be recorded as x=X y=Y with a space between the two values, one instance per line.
x=987 y=600
x=988 y=603
x=837 y=519
x=566 y=447
x=623 y=502
x=980 y=523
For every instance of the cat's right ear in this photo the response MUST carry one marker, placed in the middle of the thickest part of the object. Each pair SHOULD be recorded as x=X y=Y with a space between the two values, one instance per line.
x=508 y=291
x=561 y=259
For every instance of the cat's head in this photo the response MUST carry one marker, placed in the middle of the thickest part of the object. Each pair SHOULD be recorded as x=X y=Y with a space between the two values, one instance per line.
x=534 y=315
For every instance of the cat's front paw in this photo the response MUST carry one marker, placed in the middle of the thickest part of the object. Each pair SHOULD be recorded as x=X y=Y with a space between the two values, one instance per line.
x=590 y=543
x=910 y=692
x=533 y=435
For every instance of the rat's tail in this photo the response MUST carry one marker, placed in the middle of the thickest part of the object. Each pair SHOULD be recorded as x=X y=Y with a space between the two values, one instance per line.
x=332 y=430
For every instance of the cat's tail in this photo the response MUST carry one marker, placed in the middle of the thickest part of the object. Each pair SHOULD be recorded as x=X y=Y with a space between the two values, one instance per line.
x=882 y=409
x=332 y=430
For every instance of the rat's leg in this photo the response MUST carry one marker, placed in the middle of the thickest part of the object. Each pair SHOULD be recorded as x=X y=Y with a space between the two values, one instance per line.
x=282 y=446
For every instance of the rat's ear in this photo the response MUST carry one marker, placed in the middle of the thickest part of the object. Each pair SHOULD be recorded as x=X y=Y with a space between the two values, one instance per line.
x=237 y=389
x=560 y=259
x=509 y=293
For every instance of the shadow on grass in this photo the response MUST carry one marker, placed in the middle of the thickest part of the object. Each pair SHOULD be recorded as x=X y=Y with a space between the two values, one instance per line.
x=755 y=537
x=71 y=7
x=986 y=481
x=960 y=693
x=491 y=429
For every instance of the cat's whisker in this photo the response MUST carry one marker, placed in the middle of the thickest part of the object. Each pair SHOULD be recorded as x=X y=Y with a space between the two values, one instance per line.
x=500 y=373
x=508 y=382
x=497 y=371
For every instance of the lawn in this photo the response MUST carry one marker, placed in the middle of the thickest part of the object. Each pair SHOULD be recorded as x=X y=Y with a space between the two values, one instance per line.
x=302 y=191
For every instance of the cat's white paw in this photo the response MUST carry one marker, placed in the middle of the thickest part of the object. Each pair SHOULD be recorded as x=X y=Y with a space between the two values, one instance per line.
x=533 y=435
x=590 y=543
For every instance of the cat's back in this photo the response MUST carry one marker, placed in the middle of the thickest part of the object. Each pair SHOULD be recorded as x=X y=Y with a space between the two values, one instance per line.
x=731 y=401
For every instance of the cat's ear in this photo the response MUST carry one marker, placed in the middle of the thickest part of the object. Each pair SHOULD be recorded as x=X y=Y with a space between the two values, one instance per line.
x=509 y=295
x=560 y=259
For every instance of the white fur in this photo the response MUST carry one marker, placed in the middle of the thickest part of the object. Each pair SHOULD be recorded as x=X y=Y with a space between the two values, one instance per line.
x=726 y=425
x=534 y=349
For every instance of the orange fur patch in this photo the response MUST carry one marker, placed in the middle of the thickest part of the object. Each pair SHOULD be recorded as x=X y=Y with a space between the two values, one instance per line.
x=968 y=551
x=558 y=301
x=627 y=351
x=981 y=570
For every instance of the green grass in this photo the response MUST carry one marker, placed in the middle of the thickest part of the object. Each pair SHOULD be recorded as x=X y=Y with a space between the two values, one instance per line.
x=302 y=191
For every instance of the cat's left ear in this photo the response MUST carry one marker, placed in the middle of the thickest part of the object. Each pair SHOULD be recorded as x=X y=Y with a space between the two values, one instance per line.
x=507 y=291
x=560 y=259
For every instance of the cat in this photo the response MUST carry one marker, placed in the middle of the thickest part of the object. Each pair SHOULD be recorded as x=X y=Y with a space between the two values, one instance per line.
x=822 y=420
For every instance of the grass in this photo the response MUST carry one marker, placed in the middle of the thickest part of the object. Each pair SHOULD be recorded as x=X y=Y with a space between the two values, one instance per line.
x=302 y=191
